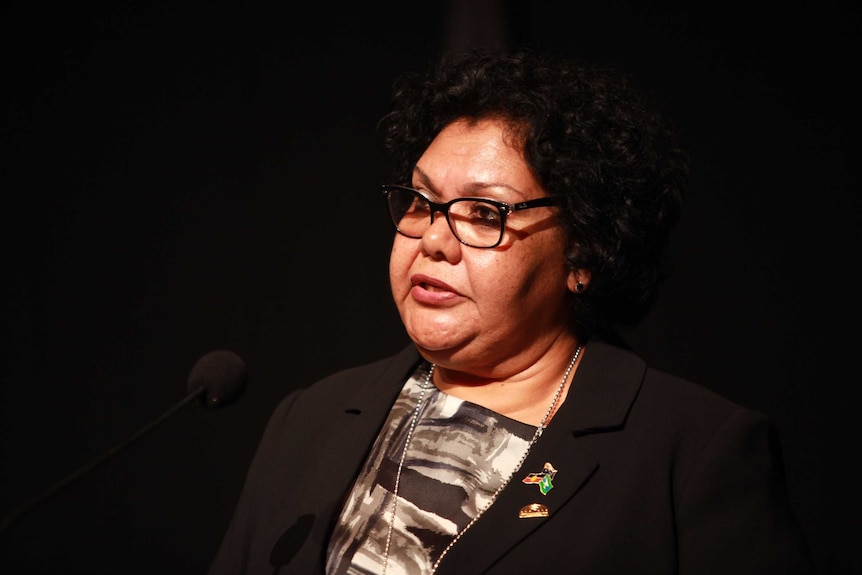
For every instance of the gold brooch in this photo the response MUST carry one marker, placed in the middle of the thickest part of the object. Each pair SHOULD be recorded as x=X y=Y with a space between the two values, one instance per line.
x=533 y=510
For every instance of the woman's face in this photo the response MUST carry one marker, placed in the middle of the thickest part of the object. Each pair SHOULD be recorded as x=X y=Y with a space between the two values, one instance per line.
x=479 y=310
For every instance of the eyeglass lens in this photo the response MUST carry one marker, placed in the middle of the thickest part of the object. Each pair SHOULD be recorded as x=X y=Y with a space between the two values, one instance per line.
x=476 y=223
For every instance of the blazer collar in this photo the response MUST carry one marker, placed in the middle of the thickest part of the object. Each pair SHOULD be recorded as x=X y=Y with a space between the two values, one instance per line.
x=602 y=392
x=354 y=417
x=603 y=389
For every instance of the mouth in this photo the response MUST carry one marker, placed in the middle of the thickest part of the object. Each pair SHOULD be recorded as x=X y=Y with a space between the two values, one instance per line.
x=428 y=287
x=430 y=284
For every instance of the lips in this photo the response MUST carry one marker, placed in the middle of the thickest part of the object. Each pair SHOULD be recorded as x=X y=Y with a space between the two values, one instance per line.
x=430 y=284
x=426 y=289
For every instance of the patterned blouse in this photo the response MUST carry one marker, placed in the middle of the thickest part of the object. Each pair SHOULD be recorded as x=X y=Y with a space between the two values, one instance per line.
x=458 y=457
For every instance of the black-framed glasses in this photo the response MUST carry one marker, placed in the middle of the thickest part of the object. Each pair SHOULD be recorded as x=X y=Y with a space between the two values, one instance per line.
x=476 y=222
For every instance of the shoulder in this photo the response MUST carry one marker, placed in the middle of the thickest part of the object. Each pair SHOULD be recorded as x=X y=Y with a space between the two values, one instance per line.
x=368 y=388
x=689 y=404
x=376 y=376
x=677 y=393
x=393 y=365
x=619 y=367
x=619 y=390
x=698 y=427
x=656 y=416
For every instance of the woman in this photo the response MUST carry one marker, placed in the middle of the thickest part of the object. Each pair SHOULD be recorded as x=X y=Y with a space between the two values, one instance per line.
x=533 y=207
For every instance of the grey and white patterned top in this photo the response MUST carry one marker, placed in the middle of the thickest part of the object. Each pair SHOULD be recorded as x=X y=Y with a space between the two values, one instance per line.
x=458 y=457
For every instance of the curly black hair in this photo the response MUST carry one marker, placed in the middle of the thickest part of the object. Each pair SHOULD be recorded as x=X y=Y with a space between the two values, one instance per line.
x=593 y=139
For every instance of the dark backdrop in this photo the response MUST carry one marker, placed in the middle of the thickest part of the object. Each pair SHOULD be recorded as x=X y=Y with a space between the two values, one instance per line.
x=180 y=177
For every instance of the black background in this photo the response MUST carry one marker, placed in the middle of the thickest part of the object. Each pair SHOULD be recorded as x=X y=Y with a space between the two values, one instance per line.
x=180 y=177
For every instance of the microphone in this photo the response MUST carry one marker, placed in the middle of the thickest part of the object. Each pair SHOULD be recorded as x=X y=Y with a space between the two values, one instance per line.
x=218 y=379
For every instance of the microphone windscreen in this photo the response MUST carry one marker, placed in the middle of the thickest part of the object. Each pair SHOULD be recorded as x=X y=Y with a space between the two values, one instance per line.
x=220 y=376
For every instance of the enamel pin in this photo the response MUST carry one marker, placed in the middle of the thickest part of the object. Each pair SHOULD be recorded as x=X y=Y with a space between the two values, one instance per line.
x=533 y=510
x=544 y=479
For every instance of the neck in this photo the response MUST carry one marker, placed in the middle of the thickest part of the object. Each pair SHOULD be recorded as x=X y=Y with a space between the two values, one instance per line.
x=524 y=396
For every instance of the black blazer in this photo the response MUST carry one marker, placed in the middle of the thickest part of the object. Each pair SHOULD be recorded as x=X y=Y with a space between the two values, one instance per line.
x=655 y=475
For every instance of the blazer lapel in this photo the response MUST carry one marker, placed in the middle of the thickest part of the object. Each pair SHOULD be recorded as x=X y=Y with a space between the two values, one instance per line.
x=355 y=419
x=603 y=389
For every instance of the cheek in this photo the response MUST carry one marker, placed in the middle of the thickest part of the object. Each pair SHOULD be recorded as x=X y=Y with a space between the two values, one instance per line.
x=399 y=264
x=524 y=280
x=493 y=280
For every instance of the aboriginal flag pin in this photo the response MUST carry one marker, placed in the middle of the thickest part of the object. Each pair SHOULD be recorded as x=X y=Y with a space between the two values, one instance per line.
x=544 y=479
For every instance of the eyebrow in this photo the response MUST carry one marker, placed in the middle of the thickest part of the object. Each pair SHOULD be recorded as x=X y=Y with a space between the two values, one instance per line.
x=474 y=188
x=422 y=176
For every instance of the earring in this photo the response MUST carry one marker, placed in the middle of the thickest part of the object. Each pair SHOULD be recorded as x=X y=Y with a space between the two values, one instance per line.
x=579 y=287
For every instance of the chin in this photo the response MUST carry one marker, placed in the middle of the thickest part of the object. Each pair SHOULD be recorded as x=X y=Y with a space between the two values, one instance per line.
x=439 y=350
x=427 y=345
x=437 y=336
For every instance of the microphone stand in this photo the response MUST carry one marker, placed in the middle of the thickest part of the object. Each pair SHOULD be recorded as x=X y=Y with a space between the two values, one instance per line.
x=24 y=508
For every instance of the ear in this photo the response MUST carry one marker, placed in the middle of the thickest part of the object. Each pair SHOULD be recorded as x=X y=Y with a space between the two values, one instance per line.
x=578 y=280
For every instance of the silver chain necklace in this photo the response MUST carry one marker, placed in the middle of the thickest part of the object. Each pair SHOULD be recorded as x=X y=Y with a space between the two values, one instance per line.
x=425 y=386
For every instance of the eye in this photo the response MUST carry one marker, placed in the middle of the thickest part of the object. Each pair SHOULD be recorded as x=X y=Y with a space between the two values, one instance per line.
x=420 y=205
x=483 y=214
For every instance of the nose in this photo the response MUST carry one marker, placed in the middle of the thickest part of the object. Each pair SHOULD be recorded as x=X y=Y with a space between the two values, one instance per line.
x=439 y=240
x=438 y=220
x=437 y=210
